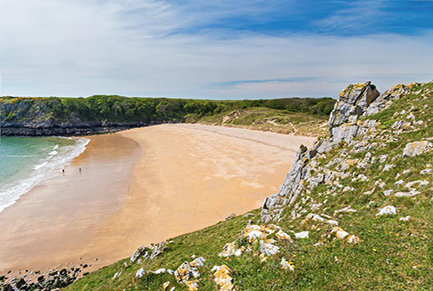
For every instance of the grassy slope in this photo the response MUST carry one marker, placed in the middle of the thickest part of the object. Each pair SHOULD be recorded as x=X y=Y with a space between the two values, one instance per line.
x=391 y=254
x=267 y=119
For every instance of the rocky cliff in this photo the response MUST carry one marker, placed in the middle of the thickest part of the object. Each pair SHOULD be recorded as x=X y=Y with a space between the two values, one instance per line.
x=356 y=100
x=34 y=117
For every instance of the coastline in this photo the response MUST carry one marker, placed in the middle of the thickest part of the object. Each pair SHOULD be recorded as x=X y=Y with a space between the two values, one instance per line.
x=135 y=187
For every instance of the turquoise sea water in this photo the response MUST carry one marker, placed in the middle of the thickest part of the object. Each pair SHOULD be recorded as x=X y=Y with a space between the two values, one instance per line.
x=24 y=162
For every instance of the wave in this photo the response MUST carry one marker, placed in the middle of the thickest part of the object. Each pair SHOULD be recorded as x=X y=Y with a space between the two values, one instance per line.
x=57 y=158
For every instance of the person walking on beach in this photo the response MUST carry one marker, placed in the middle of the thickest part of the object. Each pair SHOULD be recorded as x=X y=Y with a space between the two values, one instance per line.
x=79 y=170
x=63 y=172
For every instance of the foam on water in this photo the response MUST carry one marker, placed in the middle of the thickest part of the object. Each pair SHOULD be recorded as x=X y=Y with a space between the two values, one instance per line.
x=46 y=167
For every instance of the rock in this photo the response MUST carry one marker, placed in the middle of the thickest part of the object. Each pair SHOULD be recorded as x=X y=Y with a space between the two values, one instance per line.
x=286 y=265
x=382 y=158
x=192 y=285
x=140 y=273
x=344 y=125
x=159 y=271
x=351 y=104
x=425 y=172
x=316 y=217
x=406 y=194
x=228 y=250
x=231 y=216
x=346 y=209
x=387 y=210
x=223 y=278
x=248 y=214
x=283 y=236
x=198 y=262
x=388 y=192
x=418 y=182
x=117 y=275
x=158 y=249
x=138 y=253
x=268 y=249
x=388 y=167
x=353 y=239
x=417 y=148
x=385 y=100
x=185 y=272
x=302 y=234
x=339 y=233
x=167 y=286
x=406 y=218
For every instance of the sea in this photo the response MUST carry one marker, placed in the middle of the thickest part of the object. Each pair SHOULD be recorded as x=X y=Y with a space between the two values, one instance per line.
x=26 y=161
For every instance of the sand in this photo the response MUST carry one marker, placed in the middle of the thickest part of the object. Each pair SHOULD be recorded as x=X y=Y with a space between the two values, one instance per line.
x=141 y=186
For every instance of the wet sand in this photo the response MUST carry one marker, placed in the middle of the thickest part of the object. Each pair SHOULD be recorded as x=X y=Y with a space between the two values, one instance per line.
x=141 y=186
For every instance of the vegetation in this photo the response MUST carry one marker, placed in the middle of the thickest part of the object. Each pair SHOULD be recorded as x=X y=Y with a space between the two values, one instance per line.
x=122 y=109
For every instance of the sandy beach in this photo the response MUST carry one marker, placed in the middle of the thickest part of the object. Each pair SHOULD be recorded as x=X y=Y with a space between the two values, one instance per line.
x=140 y=186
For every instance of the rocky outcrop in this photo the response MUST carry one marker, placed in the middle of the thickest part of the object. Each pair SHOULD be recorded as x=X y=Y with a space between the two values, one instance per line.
x=33 y=117
x=344 y=125
x=353 y=102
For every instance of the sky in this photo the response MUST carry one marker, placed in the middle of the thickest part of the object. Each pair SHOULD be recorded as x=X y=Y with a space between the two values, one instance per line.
x=220 y=49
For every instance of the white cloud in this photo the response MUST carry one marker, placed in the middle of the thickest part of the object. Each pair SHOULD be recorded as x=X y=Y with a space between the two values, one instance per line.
x=356 y=16
x=142 y=48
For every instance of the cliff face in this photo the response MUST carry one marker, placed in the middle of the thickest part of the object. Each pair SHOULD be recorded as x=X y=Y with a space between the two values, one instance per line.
x=35 y=118
x=355 y=101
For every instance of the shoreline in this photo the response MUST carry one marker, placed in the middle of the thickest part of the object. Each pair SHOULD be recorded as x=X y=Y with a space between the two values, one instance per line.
x=136 y=192
x=47 y=165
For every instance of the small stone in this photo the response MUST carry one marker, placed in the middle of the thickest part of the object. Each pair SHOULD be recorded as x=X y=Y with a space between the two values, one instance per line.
x=353 y=239
x=231 y=216
x=168 y=287
x=286 y=266
x=388 y=167
x=426 y=171
x=302 y=234
x=388 y=192
x=140 y=273
x=406 y=218
x=117 y=275
x=339 y=232
x=387 y=210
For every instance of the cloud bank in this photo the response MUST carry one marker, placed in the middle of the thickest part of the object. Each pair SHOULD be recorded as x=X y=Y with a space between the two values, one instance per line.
x=186 y=49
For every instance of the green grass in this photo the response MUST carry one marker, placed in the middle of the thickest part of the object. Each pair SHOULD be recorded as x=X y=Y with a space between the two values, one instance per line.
x=267 y=119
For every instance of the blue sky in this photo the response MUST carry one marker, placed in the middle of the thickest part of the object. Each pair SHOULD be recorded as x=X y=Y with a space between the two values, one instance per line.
x=212 y=49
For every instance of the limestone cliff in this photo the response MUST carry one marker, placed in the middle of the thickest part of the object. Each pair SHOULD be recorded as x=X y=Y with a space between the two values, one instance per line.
x=356 y=100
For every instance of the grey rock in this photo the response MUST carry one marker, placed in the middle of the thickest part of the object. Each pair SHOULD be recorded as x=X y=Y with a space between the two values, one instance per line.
x=417 y=148
x=351 y=104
